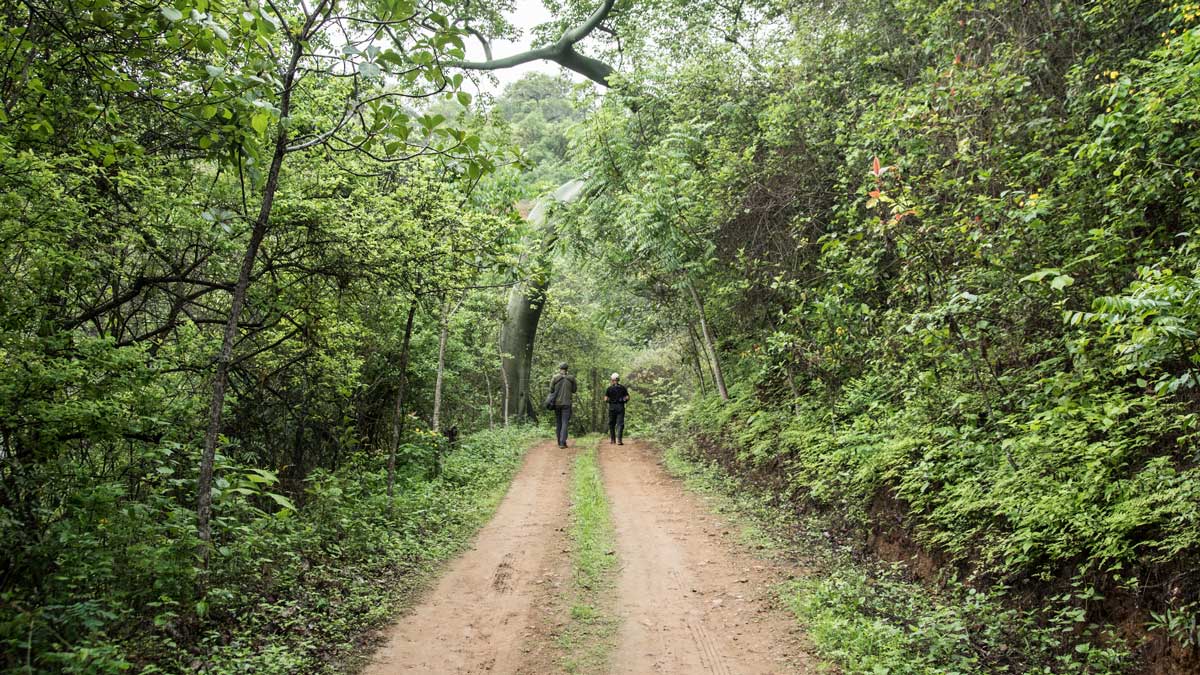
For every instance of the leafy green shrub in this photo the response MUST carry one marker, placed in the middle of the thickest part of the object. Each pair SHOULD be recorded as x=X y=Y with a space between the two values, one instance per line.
x=872 y=623
x=288 y=586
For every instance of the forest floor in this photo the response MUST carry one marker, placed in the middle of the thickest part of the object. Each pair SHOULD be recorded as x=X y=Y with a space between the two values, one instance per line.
x=689 y=597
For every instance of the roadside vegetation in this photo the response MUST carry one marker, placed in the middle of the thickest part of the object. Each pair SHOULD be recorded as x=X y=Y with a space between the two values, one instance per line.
x=866 y=616
x=923 y=270
x=929 y=270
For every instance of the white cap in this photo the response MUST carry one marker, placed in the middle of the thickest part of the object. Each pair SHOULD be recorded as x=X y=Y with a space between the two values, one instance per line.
x=614 y=376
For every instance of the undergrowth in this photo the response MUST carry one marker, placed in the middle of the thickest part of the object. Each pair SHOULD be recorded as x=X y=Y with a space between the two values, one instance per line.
x=867 y=617
x=297 y=590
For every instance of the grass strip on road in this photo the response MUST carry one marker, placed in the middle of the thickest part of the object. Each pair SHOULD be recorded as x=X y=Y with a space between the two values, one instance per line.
x=587 y=640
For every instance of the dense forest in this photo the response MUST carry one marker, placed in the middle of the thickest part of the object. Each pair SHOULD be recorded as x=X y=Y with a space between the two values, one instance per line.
x=283 y=283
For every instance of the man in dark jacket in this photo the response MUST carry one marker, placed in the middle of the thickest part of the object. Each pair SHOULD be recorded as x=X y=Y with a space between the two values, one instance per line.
x=562 y=385
x=616 y=395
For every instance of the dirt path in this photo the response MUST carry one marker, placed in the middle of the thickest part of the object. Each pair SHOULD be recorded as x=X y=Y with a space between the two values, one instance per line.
x=690 y=601
x=481 y=615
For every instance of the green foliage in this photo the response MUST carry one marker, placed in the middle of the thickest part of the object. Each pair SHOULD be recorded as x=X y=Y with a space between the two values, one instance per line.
x=290 y=588
x=137 y=148
x=945 y=247
x=948 y=252
x=538 y=112
x=872 y=623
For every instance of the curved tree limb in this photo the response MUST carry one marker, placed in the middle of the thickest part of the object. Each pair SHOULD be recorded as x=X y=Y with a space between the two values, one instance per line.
x=597 y=17
x=561 y=52
x=483 y=41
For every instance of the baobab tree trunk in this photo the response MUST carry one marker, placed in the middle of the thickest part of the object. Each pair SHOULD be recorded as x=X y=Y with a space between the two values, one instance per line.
x=517 y=334
x=709 y=343
x=525 y=304
x=398 y=409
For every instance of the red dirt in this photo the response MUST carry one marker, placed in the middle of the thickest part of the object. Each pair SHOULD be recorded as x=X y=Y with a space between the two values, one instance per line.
x=690 y=600
x=479 y=617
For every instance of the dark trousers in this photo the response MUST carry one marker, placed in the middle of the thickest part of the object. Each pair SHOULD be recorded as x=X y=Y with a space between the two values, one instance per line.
x=616 y=424
x=562 y=417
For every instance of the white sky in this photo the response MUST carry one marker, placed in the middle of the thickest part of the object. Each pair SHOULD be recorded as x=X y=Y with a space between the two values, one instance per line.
x=527 y=14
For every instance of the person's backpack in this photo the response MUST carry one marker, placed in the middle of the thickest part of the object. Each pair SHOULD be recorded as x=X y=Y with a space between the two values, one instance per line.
x=552 y=398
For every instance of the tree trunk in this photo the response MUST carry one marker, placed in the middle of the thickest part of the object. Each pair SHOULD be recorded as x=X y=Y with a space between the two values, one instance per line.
x=297 y=471
x=507 y=392
x=595 y=398
x=695 y=342
x=237 y=303
x=398 y=410
x=525 y=305
x=487 y=383
x=443 y=337
x=709 y=343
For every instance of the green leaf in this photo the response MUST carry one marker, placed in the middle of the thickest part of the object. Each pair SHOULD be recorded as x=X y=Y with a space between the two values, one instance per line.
x=171 y=13
x=282 y=501
x=1061 y=281
x=1039 y=275
x=259 y=121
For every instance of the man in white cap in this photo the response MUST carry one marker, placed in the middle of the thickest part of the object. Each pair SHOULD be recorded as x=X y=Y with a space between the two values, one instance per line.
x=616 y=395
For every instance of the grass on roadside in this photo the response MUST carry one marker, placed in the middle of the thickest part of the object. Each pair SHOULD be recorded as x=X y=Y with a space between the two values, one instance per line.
x=587 y=639
x=365 y=558
x=866 y=618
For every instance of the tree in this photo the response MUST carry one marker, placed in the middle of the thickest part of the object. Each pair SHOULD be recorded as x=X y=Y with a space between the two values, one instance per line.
x=658 y=197
x=527 y=301
x=368 y=110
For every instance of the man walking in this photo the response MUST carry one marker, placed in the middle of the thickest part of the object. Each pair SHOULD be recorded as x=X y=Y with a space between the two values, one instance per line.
x=616 y=395
x=562 y=385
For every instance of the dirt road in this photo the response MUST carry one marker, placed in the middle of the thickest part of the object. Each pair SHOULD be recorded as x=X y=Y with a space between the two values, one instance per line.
x=479 y=617
x=690 y=600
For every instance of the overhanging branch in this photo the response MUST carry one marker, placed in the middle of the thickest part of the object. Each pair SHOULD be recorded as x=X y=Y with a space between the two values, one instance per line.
x=561 y=52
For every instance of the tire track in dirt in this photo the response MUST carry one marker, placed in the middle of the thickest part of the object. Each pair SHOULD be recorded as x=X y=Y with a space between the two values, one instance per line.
x=690 y=601
x=484 y=613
